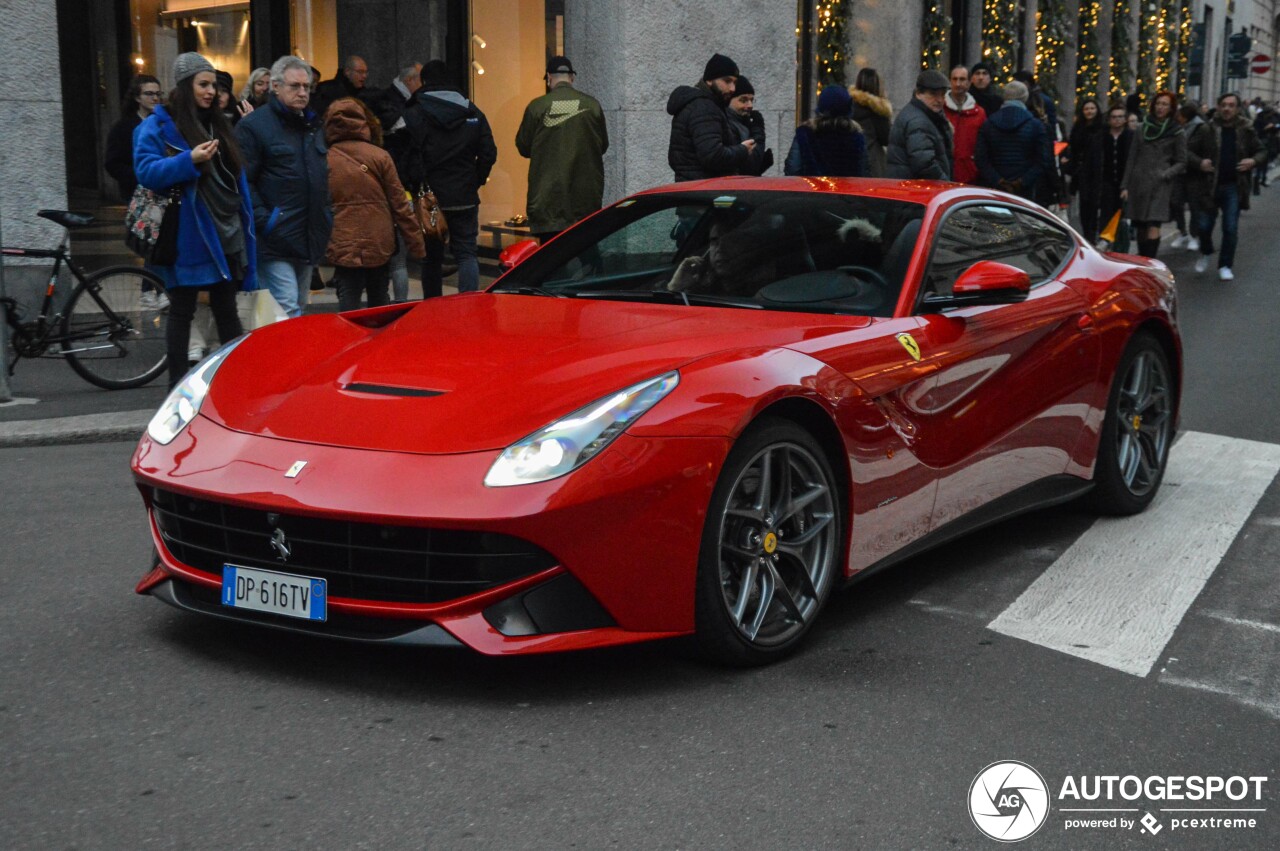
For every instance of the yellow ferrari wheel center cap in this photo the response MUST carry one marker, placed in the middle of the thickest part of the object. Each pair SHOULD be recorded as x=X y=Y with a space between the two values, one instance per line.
x=770 y=543
x=1137 y=421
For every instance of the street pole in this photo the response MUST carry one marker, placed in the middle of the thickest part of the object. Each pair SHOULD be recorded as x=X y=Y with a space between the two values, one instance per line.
x=6 y=395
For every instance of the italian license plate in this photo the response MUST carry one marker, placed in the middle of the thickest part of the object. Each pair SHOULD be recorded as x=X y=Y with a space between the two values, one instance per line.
x=278 y=593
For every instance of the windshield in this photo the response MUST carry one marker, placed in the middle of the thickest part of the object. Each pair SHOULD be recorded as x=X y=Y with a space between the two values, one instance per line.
x=809 y=251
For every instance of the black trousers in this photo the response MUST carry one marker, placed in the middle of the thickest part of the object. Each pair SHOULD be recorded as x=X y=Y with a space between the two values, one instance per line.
x=182 y=308
x=353 y=282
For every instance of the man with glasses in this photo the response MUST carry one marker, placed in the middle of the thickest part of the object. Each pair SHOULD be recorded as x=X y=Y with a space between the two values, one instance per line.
x=143 y=95
x=286 y=163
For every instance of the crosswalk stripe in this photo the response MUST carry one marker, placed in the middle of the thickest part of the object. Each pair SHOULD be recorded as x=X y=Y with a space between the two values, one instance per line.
x=1118 y=593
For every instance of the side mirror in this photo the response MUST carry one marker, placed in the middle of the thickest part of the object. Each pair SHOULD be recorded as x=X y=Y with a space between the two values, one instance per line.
x=514 y=255
x=985 y=282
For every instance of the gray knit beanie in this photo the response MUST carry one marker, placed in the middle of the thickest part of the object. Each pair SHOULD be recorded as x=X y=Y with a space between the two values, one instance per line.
x=188 y=65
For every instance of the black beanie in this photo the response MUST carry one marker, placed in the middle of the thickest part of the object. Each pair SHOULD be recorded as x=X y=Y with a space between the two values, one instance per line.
x=743 y=87
x=435 y=73
x=719 y=66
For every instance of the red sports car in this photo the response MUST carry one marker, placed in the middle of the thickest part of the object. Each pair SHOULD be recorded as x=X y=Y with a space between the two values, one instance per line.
x=695 y=413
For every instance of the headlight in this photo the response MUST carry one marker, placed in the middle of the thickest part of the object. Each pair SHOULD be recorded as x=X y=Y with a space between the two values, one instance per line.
x=186 y=398
x=569 y=443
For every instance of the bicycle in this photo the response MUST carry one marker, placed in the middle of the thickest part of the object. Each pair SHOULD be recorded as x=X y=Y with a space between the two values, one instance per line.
x=111 y=329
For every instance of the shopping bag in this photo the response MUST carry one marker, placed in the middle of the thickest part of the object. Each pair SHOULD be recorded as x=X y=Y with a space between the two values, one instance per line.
x=258 y=308
x=1109 y=232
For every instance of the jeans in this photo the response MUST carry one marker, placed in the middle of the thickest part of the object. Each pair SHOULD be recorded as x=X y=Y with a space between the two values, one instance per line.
x=182 y=308
x=288 y=280
x=399 y=270
x=352 y=283
x=464 y=229
x=1227 y=199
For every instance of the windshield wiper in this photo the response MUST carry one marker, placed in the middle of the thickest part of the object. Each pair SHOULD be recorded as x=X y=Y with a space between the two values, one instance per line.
x=532 y=291
x=669 y=297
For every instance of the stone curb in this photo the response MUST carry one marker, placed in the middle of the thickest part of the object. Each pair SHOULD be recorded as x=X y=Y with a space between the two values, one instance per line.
x=89 y=428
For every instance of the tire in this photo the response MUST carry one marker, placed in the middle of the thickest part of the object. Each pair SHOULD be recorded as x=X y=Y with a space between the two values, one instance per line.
x=767 y=563
x=1137 y=431
x=111 y=337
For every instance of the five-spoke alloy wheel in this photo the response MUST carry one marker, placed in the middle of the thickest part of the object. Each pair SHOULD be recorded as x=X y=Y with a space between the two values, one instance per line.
x=770 y=546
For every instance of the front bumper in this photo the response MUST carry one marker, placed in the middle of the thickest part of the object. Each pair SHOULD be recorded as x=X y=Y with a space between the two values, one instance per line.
x=623 y=532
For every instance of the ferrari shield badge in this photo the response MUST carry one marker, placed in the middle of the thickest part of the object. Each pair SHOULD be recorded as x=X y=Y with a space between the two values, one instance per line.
x=298 y=465
x=909 y=343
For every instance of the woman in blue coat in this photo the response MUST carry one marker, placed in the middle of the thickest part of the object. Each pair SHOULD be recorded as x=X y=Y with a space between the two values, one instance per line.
x=189 y=143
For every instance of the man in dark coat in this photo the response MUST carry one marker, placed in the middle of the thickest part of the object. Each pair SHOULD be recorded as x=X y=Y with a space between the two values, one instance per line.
x=1221 y=157
x=347 y=83
x=451 y=150
x=920 y=141
x=702 y=142
x=984 y=92
x=285 y=161
x=746 y=124
x=1013 y=151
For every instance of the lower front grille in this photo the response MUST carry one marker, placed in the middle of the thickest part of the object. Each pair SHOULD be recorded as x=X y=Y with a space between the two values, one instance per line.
x=360 y=561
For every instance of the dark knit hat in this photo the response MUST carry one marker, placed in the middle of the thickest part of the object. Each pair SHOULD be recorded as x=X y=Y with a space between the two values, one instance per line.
x=743 y=87
x=560 y=65
x=931 y=80
x=435 y=73
x=188 y=65
x=225 y=81
x=981 y=66
x=835 y=101
x=719 y=66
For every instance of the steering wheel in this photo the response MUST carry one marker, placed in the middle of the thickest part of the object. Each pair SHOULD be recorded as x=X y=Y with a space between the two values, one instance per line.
x=871 y=276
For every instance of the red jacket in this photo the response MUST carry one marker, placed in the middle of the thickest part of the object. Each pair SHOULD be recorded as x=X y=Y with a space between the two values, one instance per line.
x=965 y=120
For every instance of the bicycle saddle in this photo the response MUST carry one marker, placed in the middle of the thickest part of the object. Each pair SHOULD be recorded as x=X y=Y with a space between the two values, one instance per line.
x=66 y=219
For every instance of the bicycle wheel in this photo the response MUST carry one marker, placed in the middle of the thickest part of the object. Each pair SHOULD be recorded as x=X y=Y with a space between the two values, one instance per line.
x=113 y=328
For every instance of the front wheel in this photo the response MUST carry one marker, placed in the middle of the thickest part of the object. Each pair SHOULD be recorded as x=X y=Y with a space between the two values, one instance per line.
x=1137 y=431
x=113 y=328
x=770 y=546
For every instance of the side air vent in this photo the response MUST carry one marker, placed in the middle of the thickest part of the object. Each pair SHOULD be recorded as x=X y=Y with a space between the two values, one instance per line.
x=378 y=317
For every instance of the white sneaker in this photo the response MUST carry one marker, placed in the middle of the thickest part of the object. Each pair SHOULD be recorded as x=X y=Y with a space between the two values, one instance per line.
x=152 y=300
x=1193 y=244
x=1179 y=241
x=1202 y=263
x=1225 y=274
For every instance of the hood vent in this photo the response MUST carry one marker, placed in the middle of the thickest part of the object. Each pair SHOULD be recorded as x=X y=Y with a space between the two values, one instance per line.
x=388 y=390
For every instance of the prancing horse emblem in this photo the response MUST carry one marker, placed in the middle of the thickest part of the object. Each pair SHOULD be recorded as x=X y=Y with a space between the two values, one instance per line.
x=280 y=544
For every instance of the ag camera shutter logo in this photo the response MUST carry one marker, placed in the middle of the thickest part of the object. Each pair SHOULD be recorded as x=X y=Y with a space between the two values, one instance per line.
x=1008 y=801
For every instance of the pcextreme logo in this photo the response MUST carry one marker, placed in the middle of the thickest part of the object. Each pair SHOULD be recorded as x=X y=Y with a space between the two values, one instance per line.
x=1010 y=800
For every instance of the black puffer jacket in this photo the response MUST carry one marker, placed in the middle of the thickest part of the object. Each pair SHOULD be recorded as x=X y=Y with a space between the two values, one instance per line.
x=286 y=163
x=451 y=146
x=702 y=142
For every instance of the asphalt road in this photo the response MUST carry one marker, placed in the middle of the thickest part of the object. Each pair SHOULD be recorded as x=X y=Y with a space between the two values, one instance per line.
x=124 y=724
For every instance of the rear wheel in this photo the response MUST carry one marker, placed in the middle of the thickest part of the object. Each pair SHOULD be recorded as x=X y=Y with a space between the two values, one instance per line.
x=770 y=547
x=1137 y=431
x=114 y=328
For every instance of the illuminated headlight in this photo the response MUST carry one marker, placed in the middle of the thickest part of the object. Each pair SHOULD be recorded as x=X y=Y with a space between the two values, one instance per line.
x=186 y=398
x=570 y=442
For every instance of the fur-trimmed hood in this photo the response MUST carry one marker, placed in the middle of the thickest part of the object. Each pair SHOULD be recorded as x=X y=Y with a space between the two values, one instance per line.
x=878 y=105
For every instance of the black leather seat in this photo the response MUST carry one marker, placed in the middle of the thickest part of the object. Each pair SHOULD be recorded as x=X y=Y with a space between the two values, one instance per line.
x=65 y=218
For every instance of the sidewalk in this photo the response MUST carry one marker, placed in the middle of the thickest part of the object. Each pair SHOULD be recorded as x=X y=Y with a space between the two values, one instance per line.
x=54 y=405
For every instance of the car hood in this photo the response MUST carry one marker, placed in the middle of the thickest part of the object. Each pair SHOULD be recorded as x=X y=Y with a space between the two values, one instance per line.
x=470 y=372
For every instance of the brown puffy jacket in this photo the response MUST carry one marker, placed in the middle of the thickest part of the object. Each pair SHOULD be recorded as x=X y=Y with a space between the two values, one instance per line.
x=368 y=200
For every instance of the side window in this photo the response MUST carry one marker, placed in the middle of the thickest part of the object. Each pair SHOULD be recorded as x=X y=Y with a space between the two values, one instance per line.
x=1042 y=247
x=983 y=232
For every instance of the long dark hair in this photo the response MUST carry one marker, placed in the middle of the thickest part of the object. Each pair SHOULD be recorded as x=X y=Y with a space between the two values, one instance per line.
x=869 y=81
x=190 y=120
x=129 y=103
x=1100 y=118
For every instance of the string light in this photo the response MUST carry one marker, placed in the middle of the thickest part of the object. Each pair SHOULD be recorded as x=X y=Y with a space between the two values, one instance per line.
x=1087 y=70
x=937 y=32
x=1121 y=51
x=831 y=19
x=1000 y=37
x=1053 y=33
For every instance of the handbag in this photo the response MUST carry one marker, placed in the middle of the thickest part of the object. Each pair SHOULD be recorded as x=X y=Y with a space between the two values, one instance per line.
x=151 y=225
x=430 y=217
x=258 y=308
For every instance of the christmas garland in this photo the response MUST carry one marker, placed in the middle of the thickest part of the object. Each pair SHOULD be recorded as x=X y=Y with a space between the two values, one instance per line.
x=936 y=35
x=831 y=20
x=1087 y=69
x=1054 y=32
x=1121 y=50
x=1000 y=38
